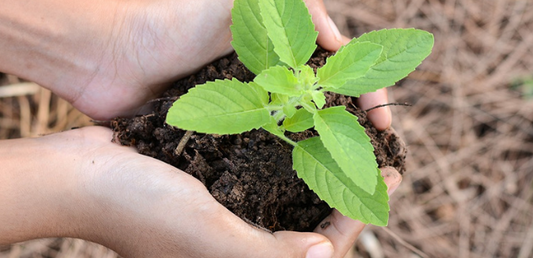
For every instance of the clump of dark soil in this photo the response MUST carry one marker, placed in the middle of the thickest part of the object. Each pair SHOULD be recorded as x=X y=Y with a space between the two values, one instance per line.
x=251 y=173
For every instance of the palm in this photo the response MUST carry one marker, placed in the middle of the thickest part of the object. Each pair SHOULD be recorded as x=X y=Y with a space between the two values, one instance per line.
x=153 y=46
x=149 y=202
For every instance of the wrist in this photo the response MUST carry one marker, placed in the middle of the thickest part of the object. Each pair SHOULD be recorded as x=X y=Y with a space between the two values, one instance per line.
x=51 y=186
x=37 y=190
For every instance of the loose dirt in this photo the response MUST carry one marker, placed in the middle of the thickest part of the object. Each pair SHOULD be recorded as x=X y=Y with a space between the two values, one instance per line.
x=251 y=174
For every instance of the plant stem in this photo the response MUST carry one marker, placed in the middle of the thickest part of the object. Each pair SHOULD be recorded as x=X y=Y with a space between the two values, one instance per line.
x=289 y=141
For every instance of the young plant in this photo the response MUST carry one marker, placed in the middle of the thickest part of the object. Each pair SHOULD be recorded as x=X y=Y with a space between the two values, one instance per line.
x=275 y=39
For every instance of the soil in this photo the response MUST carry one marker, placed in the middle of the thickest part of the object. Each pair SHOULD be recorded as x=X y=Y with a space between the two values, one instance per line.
x=251 y=174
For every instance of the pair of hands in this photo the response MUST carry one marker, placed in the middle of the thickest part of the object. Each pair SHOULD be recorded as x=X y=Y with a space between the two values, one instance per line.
x=108 y=58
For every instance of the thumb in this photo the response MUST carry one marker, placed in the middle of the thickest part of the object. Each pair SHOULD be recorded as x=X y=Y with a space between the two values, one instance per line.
x=329 y=36
x=308 y=245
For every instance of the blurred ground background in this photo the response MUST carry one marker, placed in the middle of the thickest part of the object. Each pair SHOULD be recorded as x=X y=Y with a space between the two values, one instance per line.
x=468 y=188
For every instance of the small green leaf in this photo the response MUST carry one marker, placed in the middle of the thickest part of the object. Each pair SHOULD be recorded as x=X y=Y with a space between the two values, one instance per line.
x=299 y=122
x=403 y=51
x=273 y=128
x=289 y=110
x=279 y=79
x=321 y=173
x=221 y=107
x=349 y=145
x=349 y=63
x=278 y=99
x=291 y=30
x=307 y=76
x=250 y=38
x=319 y=98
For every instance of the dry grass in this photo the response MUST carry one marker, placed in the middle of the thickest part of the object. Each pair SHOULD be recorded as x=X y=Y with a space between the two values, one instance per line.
x=468 y=189
x=27 y=110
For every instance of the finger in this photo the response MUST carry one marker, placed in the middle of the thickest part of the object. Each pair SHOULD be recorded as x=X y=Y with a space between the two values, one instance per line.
x=309 y=245
x=329 y=36
x=228 y=236
x=380 y=117
x=343 y=231
x=237 y=239
x=248 y=241
x=234 y=238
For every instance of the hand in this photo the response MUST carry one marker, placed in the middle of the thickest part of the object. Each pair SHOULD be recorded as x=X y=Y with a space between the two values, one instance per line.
x=108 y=58
x=88 y=187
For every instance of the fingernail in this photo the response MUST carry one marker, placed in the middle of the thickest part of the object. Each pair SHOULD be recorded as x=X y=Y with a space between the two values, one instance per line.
x=392 y=179
x=334 y=29
x=393 y=188
x=322 y=250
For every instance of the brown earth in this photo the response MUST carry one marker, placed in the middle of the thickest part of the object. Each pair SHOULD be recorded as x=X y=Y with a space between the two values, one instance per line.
x=250 y=174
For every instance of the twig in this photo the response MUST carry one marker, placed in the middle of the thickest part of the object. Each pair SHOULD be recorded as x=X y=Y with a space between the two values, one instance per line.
x=182 y=143
x=21 y=89
x=389 y=104
x=404 y=243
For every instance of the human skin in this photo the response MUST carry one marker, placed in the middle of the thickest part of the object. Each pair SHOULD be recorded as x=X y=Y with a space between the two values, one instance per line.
x=88 y=187
x=108 y=58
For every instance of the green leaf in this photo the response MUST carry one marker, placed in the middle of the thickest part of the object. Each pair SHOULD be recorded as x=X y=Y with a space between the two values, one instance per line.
x=221 y=107
x=307 y=76
x=349 y=63
x=321 y=173
x=299 y=122
x=289 y=110
x=349 y=145
x=403 y=51
x=278 y=99
x=319 y=98
x=250 y=38
x=279 y=79
x=291 y=30
x=273 y=128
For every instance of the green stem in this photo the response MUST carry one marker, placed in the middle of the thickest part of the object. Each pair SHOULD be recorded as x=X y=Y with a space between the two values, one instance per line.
x=289 y=141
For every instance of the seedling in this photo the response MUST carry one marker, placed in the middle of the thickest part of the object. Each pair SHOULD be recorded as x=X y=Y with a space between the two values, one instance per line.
x=274 y=39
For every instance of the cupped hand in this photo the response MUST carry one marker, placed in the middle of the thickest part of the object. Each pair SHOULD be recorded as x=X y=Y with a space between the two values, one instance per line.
x=108 y=58
x=141 y=207
x=125 y=53
x=155 y=42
